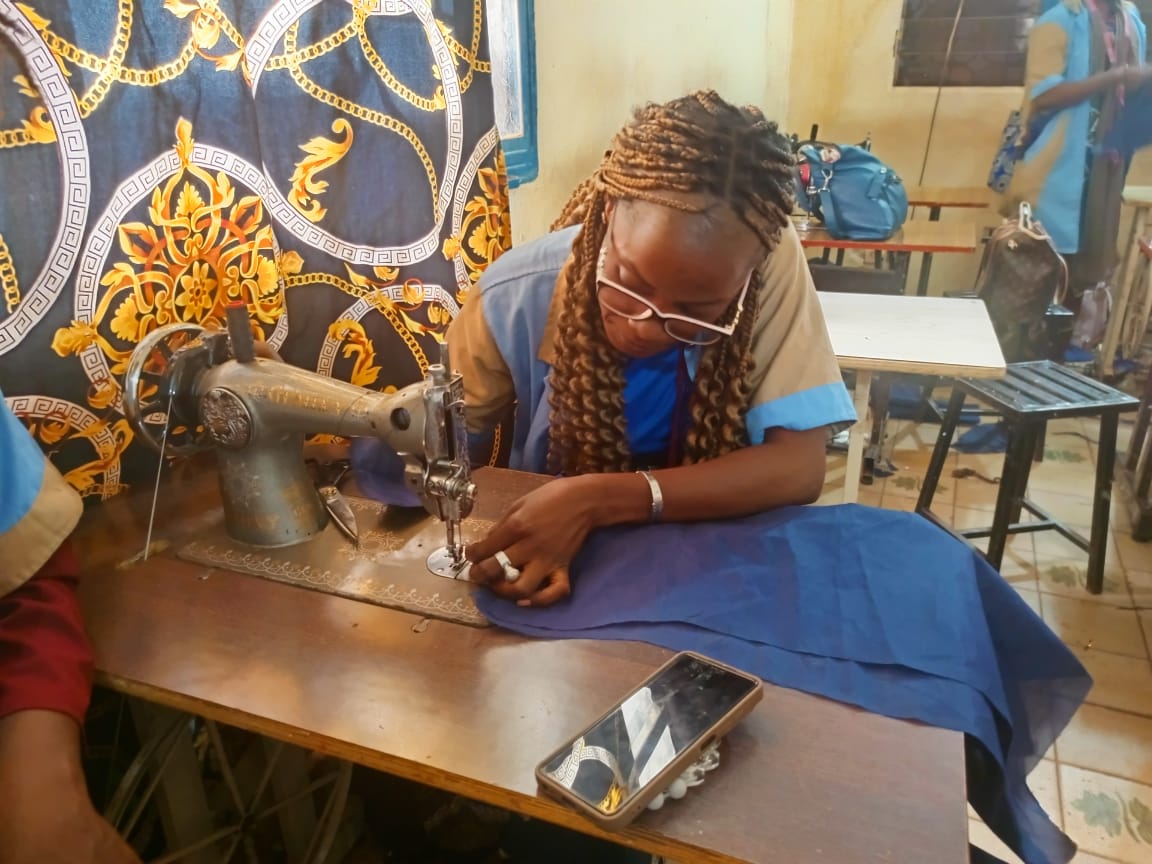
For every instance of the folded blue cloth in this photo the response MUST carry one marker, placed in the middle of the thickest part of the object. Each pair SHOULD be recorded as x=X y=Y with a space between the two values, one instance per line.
x=983 y=438
x=870 y=607
x=1132 y=130
x=379 y=473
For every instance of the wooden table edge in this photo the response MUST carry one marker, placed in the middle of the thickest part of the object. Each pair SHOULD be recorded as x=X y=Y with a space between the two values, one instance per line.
x=539 y=807
x=913 y=367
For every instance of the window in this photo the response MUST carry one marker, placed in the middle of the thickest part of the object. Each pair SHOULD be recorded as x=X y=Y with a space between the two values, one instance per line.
x=512 y=46
x=989 y=48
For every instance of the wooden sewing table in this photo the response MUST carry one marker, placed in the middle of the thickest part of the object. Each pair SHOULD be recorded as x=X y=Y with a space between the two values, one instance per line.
x=472 y=710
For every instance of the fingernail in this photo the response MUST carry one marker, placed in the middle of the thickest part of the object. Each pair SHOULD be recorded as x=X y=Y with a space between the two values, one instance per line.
x=523 y=602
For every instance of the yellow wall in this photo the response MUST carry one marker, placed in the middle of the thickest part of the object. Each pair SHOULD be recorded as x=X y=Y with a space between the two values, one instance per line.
x=597 y=59
x=803 y=61
x=841 y=78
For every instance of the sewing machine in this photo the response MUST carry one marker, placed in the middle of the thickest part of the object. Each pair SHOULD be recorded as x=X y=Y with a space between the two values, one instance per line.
x=188 y=389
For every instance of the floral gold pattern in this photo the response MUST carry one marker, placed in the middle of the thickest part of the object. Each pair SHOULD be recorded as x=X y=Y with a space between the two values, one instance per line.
x=282 y=188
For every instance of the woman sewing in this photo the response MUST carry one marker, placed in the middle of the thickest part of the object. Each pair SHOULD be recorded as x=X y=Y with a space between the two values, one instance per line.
x=665 y=357
x=664 y=346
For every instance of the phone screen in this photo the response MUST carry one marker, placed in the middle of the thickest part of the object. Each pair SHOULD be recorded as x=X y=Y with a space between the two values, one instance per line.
x=617 y=757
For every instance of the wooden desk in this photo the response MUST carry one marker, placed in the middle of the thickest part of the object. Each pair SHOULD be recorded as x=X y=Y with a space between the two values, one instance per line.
x=936 y=198
x=926 y=238
x=473 y=710
x=913 y=335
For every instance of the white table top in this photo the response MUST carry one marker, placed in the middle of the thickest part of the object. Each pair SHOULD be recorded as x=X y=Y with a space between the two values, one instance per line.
x=914 y=335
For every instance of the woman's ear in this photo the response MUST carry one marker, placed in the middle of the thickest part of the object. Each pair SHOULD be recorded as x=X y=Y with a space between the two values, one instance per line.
x=609 y=206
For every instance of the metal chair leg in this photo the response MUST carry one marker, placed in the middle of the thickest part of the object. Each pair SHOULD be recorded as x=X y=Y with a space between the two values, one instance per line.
x=1102 y=501
x=940 y=452
x=1017 y=460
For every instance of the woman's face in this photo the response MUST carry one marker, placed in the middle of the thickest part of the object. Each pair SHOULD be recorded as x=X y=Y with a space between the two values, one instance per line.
x=688 y=264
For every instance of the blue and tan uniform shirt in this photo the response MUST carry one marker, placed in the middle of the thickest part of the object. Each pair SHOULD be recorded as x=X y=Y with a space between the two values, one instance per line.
x=503 y=343
x=38 y=509
x=1052 y=174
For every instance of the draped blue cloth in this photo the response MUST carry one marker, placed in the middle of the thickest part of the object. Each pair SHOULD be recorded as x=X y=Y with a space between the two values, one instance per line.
x=869 y=607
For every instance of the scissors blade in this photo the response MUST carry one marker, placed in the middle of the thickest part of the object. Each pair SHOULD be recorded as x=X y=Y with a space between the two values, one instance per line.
x=340 y=512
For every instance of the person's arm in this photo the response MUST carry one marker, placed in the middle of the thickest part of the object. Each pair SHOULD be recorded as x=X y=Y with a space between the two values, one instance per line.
x=1070 y=93
x=787 y=469
x=45 y=679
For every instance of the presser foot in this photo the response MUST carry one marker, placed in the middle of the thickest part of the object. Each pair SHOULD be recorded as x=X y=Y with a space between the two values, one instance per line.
x=449 y=563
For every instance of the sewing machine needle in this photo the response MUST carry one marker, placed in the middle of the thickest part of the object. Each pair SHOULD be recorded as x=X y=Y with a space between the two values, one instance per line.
x=159 y=471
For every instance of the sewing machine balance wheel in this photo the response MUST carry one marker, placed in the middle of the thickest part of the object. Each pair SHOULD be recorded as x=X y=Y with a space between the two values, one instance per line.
x=152 y=391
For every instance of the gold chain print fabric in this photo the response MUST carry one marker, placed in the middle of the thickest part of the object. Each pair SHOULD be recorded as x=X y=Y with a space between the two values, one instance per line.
x=331 y=164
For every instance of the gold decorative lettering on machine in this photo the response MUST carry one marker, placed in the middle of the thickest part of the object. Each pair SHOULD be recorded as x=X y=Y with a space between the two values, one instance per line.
x=188 y=389
x=288 y=397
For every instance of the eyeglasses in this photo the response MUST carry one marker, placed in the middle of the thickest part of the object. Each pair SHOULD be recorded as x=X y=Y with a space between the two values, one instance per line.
x=628 y=304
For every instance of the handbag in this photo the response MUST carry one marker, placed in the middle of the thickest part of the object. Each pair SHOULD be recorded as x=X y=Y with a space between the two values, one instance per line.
x=1021 y=276
x=855 y=194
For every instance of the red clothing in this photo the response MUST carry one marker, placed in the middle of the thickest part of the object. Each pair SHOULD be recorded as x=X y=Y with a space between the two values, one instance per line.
x=45 y=656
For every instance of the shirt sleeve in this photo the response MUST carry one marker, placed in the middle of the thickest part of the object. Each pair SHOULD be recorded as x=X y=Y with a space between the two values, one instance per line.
x=489 y=390
x=38 y=509
x=1047 y=58
x=45 y=657
x=796 y=380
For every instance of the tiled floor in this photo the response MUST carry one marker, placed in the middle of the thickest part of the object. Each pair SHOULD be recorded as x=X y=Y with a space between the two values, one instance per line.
x=1097 y=780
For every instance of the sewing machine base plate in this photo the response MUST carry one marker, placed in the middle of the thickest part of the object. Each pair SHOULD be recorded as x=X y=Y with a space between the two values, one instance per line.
x=390 y=567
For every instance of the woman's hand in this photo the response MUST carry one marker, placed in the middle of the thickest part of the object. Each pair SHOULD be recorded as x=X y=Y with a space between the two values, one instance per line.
x=541 y=534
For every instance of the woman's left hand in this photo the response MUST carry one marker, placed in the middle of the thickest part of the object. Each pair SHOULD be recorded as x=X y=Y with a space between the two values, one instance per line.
x=541 y=534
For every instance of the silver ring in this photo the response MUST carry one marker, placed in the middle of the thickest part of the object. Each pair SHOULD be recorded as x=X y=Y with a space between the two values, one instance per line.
x=511 y=573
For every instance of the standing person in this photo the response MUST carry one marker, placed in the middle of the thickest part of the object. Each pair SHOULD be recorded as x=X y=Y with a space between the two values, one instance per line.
x=1085 y=59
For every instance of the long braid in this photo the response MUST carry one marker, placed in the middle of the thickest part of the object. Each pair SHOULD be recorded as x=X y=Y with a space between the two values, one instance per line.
x=696 y=144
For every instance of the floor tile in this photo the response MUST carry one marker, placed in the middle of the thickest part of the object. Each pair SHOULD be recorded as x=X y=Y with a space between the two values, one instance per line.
x=981 y=836
x=1107 y=816
x=1118 y=682
x=1044 y=785
x=1110 y=742
x=1094 y=626
x=1133 y=555
x=1140 y=585
x=1075 y=510
x=1062 y=568
x=1086 y=858
x=1030 y=595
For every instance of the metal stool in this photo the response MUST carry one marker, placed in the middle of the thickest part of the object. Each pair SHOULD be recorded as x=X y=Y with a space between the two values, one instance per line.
x=1028 y=397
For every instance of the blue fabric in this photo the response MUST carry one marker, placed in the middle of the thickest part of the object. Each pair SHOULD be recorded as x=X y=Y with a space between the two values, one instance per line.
x=826 y=405
x=983 y=438
x=516 y=294
x=380 y=473
x=1133 y=128
x=814 y=598
x=21 y=469
x=650 y=400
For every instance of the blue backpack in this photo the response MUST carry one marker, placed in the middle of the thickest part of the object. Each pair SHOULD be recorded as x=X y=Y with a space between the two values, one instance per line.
x=853 y=193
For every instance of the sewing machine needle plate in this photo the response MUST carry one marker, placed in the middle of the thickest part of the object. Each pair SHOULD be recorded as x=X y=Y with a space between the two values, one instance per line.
x=389 y=567
x=443 y=563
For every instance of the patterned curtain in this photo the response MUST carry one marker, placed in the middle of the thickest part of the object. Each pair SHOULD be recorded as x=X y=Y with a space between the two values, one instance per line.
x=333 y=164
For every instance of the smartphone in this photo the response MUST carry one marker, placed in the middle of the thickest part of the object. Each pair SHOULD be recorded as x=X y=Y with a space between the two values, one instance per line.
x=615 y=767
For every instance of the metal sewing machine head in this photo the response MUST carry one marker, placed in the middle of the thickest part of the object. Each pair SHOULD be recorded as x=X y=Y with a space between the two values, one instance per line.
x=187 y=389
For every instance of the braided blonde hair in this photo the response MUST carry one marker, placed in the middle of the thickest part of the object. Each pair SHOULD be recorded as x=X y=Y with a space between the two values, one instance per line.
x=696 y=144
